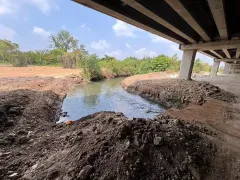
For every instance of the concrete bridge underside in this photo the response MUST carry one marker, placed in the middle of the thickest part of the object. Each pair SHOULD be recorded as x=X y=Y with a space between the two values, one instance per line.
x=207 y=26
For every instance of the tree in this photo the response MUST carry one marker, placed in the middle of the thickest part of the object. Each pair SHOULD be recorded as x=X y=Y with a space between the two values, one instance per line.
x=63 y=40
x=107 y=58
x=200 y=66
x=83 y=50
x=7 y=50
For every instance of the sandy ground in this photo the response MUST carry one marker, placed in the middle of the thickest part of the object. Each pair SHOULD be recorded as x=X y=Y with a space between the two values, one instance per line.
x=32 y=71
x=230 y=82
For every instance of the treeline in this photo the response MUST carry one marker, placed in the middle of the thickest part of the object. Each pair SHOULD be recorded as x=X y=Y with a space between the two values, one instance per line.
x=64 y=51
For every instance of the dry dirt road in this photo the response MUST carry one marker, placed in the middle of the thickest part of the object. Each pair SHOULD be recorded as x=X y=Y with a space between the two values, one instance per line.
x=40 y=71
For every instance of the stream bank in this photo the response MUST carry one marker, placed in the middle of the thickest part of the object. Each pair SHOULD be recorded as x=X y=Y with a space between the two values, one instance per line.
x=104 y=145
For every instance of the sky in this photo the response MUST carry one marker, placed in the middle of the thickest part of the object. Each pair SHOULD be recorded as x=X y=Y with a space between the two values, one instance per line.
x=30 y=23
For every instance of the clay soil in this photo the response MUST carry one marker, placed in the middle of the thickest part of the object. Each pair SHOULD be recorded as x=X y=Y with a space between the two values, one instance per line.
x=107 y=145
x=40 y=71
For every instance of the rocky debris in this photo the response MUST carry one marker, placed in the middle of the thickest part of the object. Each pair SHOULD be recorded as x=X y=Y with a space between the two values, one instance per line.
x=85 y=172
x=178 y=93
x=64 y=114
x=157 y=141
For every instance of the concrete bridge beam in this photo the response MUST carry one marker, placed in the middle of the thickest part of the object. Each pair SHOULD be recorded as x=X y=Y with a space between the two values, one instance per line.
x=187 y=64
x=215 y=68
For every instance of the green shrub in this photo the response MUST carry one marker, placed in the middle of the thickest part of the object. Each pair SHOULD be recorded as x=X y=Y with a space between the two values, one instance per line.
x=160 y=63
x=200 y=66
x=91 y=68
x=68 y=60
x=19 y=60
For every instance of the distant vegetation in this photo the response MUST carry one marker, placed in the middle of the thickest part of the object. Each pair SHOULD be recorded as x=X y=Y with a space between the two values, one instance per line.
x=65 y=51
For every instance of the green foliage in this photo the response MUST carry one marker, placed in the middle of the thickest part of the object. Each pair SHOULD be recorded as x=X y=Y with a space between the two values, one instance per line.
x=160 y=63
x=20 y=60
x=63 y=40
x=200 y=66
x=8 y=51
x=80 y=55
x=91 y=68
x=220 y=70
x=53 y=58
x=174 y=63
x=65 y=52
x=68 y=60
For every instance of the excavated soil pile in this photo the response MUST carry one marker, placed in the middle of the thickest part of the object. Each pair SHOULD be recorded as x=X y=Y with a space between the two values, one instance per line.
x=178 y=93
x=105 y=145
x=23 y=109
x=108 y=146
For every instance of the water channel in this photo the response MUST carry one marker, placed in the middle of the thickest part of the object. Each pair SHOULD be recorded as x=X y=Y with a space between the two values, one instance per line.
x=107 y=95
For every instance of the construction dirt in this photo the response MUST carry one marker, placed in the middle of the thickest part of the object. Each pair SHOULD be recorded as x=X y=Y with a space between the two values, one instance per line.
x=40 y=71
x=107 y=145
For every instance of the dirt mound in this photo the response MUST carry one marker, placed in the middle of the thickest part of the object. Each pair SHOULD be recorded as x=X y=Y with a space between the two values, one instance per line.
x=21 y=108
x=107 y=145
x=178 y=93
x=104 y=145
x=59 y=86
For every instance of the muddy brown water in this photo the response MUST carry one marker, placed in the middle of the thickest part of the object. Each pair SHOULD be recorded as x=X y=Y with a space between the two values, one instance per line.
x=107 y=95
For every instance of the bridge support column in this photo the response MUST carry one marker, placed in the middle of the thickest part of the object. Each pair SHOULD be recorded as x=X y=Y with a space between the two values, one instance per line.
x=187 y=63
x=215 y=68
x=226 y=69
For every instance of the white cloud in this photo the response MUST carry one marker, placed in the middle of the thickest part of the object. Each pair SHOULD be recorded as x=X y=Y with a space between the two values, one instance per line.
x=123 y=29
x=41 y=31
x=12 y=6
x=100 y=45
x=83 y=25
x=117 y=54
x=157 y=39
x=6 y=32
x=44 y=5
x=63 y=27
x=127 y=45
x=7 y=7
x=144 y=52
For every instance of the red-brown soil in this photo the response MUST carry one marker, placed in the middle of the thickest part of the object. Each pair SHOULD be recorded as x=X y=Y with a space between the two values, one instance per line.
x=41 y=71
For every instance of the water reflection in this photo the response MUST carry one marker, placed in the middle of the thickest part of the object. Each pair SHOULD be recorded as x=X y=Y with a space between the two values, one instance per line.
x=107 y=96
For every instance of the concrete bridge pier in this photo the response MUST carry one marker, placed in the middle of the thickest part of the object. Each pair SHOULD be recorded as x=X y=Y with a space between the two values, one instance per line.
x=187 y=63
x=226 y=69
x=215 y=68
